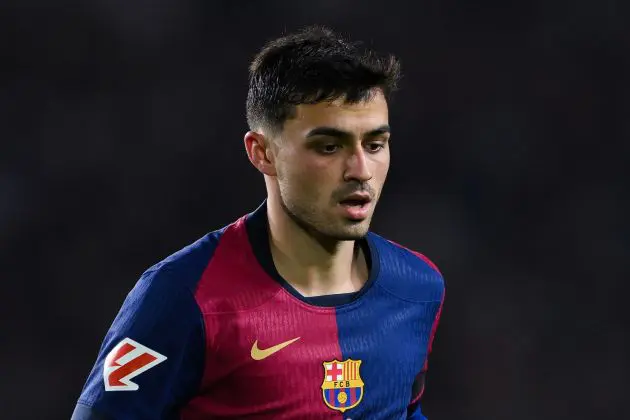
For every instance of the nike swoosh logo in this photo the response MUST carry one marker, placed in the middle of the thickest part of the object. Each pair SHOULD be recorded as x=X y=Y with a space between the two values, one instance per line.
x=258 y=354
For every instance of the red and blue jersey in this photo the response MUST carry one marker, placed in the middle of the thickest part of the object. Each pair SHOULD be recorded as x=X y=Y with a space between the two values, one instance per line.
x=214 y=332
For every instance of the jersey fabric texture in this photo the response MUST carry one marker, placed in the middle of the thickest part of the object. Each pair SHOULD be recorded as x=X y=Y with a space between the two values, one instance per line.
x=214 y=332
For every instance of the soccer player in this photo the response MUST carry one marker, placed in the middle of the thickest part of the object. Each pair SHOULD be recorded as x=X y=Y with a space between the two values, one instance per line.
x=296 y=310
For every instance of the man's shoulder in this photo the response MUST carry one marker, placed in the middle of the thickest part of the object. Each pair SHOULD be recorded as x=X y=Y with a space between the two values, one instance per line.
x=407 y=273
x=185 y=267
x=219 y=269
x=193 y=255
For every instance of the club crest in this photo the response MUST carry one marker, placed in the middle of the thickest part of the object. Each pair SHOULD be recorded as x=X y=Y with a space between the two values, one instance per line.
x=342 y=387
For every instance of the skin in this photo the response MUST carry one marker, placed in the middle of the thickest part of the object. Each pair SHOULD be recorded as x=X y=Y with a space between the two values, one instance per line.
x=326 y=152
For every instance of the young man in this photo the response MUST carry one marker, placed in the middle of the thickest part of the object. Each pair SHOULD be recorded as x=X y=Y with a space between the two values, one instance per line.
x=296 y=310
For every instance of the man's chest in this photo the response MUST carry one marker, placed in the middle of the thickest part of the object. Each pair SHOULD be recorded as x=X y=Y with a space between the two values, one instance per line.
x=305 y=362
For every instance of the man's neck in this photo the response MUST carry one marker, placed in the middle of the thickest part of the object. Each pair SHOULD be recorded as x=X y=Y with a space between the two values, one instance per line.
x=313 y=266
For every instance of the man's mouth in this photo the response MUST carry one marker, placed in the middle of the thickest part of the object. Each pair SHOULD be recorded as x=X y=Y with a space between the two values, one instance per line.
x=356 y=200
x=356 y=206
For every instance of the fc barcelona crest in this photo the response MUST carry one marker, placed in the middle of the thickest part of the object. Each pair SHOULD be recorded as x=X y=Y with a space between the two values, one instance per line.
x=342 y=387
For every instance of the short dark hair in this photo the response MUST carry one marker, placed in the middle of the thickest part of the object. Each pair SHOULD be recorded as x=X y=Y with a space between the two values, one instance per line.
x=311 y=66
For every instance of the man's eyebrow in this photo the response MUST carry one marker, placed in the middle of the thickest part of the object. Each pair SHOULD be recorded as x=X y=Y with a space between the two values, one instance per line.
x=328 y=132
x=383 y=129
x=335 y=132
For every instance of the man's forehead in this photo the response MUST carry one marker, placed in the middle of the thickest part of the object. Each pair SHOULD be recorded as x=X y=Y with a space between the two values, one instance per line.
x=374 y=100
x=372 y=111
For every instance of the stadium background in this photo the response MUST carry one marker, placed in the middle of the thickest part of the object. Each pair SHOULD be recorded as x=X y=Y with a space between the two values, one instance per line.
x=121 y=142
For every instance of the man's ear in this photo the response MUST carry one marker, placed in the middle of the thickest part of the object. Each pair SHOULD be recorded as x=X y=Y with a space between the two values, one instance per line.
x=259 y=152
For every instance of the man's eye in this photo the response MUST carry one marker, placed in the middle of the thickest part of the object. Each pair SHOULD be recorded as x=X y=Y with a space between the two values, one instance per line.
x=375 y=147
x=329 y=148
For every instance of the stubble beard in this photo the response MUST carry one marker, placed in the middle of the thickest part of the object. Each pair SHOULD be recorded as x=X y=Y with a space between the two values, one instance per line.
x=307 y=220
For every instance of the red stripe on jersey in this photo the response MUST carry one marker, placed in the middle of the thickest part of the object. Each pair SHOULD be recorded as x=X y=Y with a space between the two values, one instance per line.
x=435 y=323
x=242 y=305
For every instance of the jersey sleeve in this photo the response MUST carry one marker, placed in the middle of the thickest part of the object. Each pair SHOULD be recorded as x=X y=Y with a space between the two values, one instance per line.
x=151 y=360
x=414 y=411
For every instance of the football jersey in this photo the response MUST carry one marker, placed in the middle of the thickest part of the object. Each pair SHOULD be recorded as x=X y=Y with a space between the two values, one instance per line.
x=214 y=332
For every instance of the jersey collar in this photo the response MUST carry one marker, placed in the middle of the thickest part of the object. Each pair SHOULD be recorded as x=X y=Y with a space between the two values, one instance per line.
x=257 y=227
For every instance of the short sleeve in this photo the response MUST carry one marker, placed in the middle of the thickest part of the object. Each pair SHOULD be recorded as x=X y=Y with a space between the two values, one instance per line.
x=151 y=360
x=414 y=410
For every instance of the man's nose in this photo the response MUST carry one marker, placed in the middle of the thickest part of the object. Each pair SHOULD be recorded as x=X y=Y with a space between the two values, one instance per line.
x=357 y=167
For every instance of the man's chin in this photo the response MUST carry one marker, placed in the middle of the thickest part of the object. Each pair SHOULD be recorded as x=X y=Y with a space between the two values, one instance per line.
x=352 y=231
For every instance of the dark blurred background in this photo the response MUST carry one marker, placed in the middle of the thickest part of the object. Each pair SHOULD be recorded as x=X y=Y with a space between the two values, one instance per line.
x=121 y=128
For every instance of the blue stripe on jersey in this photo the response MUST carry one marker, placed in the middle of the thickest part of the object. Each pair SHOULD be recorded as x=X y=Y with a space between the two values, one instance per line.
x=389 y=331
x=392 y=349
